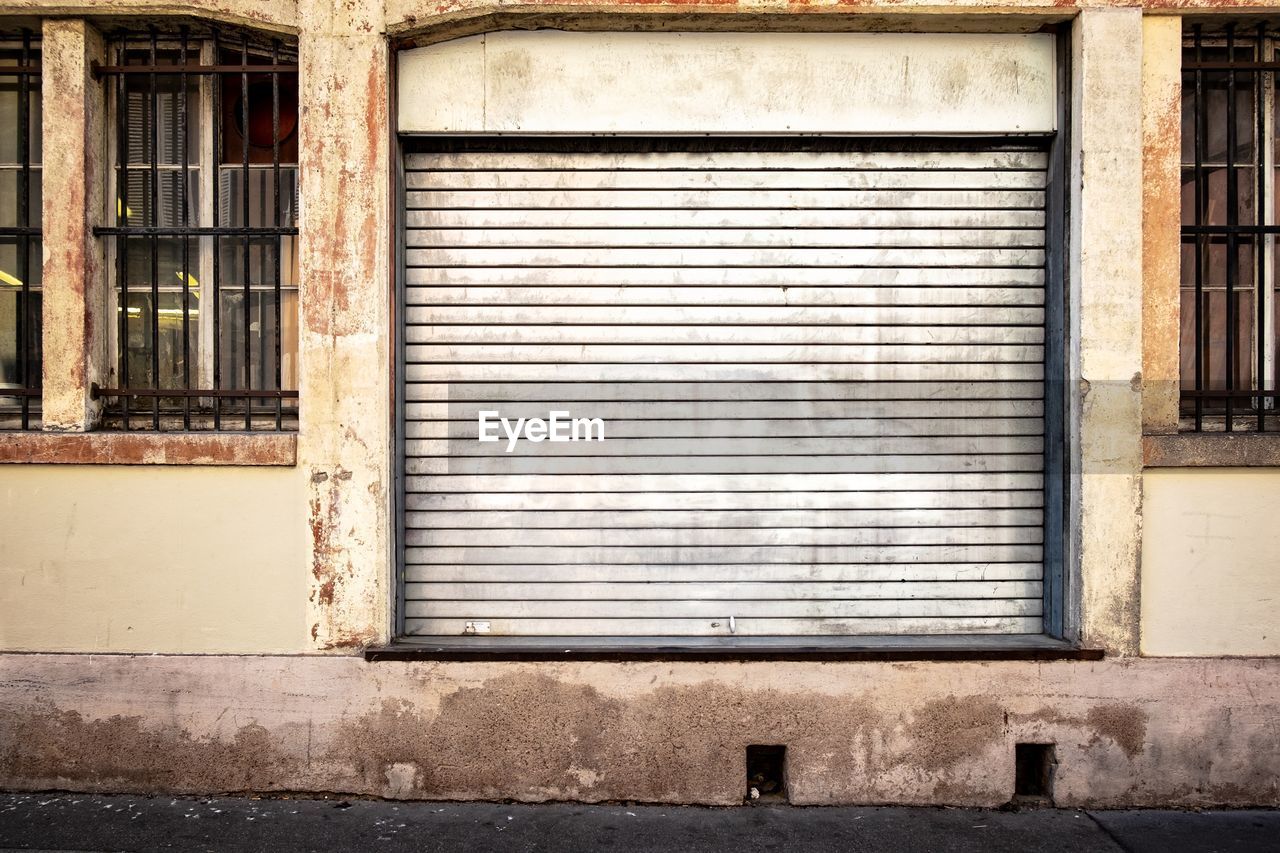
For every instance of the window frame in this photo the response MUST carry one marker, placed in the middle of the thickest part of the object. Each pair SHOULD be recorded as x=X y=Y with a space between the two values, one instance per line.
x=28 y=336
x=199 y=57
x=1060 y=637
x=1256 y=403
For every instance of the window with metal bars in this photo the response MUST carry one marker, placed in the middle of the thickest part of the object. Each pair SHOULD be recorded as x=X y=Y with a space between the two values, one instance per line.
x=20 y=255
x=203 y=241
x=1229 y=305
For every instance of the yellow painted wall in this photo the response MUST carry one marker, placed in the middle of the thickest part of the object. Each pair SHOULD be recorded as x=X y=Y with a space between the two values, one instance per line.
x=1211 y=562
x=151 y=559
x=174 y=559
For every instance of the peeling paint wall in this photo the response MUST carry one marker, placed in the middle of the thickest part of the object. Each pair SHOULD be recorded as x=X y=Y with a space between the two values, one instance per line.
x=72 y=201
x=1126 y=733
x=343 y=449
x=178 y=560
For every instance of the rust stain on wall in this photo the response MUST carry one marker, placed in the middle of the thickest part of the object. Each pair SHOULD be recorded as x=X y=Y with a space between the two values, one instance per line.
x=343 y=251
x=1161 y=235
x=107 y=448
x=326 y=553
x=332 y=569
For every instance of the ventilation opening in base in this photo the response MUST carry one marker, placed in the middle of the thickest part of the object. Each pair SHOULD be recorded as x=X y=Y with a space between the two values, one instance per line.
x=766 y=774
x=1034 y=765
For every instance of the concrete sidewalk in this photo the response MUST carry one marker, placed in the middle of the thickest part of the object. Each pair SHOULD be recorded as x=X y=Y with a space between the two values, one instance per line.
x=67 y=822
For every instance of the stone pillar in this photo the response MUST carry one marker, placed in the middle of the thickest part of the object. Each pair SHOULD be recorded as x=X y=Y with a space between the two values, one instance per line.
x=344 y=449
x=75 y=325
x=1106 y=280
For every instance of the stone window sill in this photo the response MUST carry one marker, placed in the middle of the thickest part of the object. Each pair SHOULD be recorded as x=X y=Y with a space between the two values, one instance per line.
x=703 y=649
x=119 y=448
x=1212 y=450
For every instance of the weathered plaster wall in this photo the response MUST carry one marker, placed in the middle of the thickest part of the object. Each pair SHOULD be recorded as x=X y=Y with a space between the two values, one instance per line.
x=1161 y=219
x=1129 y=732
x=73 y=111
x=269 y=14
x=629 y=82
x=1106 y=278
x=343 y=444
x=1210 y=584
x=151 y=559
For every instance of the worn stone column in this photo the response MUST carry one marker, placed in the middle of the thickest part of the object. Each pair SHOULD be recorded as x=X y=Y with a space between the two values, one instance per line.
x=75 y=330
x=1106 y=280
x=344 y=439
x=1161 y=219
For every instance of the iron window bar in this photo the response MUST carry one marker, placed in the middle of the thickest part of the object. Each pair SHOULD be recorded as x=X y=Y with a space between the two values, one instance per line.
x=207 y=400
x=1230 y=381
x=99 y=393
x=196 y=68
x=24 y=415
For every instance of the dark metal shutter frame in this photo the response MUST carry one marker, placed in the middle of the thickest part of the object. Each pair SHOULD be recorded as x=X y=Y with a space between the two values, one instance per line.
x=821 y=374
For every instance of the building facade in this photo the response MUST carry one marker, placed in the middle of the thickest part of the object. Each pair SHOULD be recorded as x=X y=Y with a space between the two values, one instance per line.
x=579 y=401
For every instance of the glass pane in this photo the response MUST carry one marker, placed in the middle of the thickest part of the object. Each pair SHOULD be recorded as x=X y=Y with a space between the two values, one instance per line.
x=10 y=95
x=11 y=271
x=37 y=124
x=261 y=257
x=1276 y=195
x=1214 y=318
x=1214 y=263
x=171 y=267
x=12 y=362
x=168 y=122
x=262 y=331
x=176 y=370
x=1187 y=267
x=231 y=200
x=134 y=206
x=1275 y=320
x=10 y=198
x=1213 y=258
x=1215 y=340
x=260 y=106
x=1187 y=340
x=1215 y=196
x=1188 y=113
x=1188 y=196
x=1216 y=100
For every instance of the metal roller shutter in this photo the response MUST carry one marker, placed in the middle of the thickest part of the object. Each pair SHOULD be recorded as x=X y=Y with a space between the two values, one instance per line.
x=821 y=376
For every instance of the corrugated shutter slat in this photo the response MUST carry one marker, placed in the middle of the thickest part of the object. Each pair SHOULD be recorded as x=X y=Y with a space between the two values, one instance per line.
x=821 y=374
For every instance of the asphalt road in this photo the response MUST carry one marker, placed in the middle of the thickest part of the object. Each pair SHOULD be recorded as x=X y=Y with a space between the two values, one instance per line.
x=67 y=822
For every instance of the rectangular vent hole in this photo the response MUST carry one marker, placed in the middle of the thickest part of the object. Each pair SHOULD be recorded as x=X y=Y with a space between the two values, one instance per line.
x=766 y=774
x=1034 y=764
